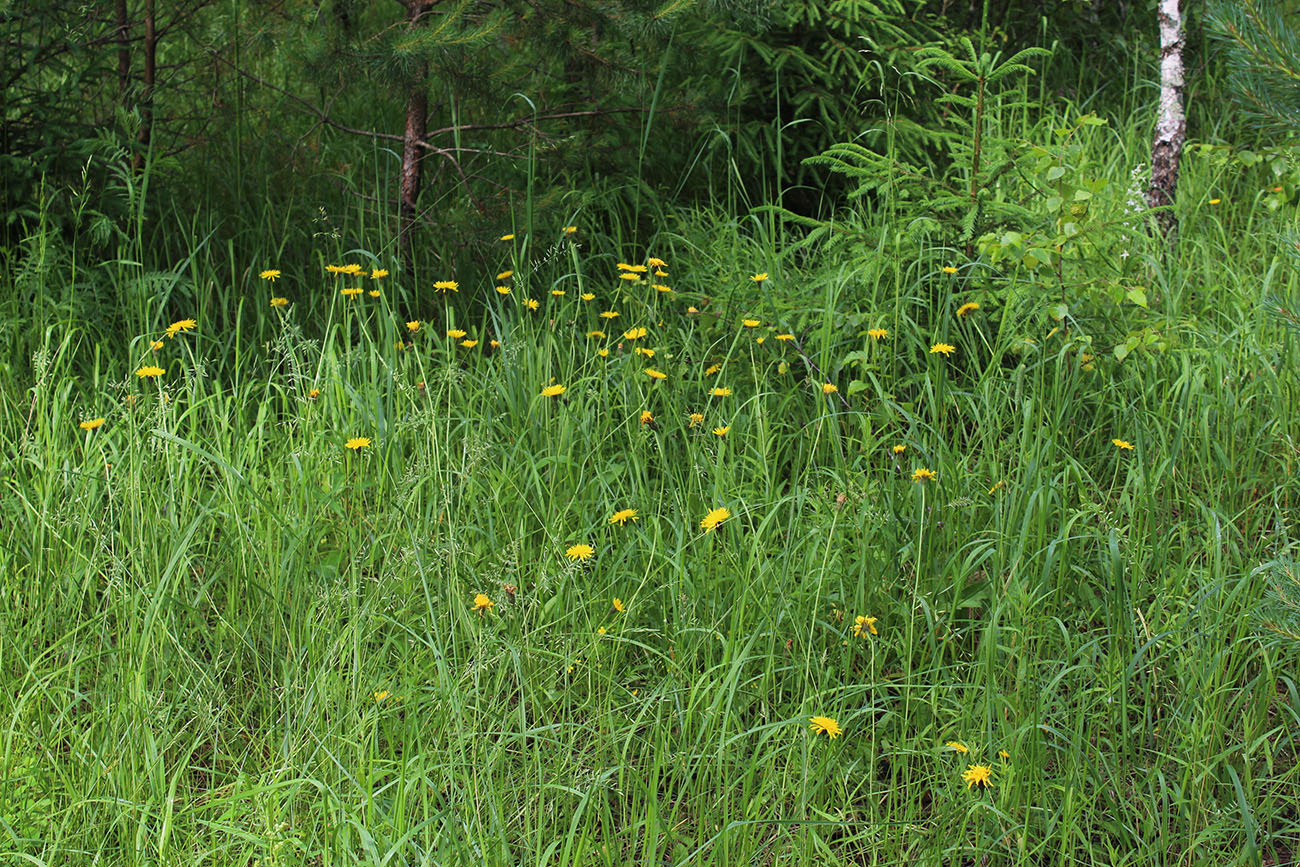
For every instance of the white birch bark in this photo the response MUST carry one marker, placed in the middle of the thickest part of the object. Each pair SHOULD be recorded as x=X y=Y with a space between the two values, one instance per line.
x=1171 y=124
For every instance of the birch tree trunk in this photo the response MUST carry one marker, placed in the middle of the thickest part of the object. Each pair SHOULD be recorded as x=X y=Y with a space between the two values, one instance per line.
x=1171 y=125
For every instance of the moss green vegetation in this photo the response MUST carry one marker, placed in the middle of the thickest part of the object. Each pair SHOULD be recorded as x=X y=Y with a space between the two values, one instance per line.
x=234 y=633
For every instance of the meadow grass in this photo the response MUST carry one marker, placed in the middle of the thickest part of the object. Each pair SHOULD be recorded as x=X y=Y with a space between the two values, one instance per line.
x=230 y=639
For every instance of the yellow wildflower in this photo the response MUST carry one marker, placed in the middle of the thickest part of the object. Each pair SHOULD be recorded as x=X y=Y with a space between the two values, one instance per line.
x=825 y=725
x=621 y=517
x=714 y=518
x=580 y=552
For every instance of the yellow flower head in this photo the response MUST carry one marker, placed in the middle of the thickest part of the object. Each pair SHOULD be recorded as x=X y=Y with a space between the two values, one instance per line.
x=269 y=274
x=587 y=296
x=647 y=417
x=503 y=290
x=509 y=237
x=595 y=334
x=877 y=333
x=759 y=278
x=351 y=292
x=483 y=604
x=957 y=747
x=630 y=276
x=863 y=624
x=753 y=323
x=978 y=775
x=712 y=369
x=634 y=333
x=279 y=302
x=721 y=391
x=968 y=308
x=569 y=230
x=784 y=338
x=382 y=694
x=696 y=418
x=373 y=293
x=722 y=431
x=942 y=348
x=641 y=350
x=621 y=517
x=825 y=725
x=558 y=293
x=413 y=325
x=553 y=390
x=455 y=333
x=378 y=273
x=899 y=449
x=656 y=263
x=181 y=325
x=531 y=303
x=313 y=394
x=505 y=275
x=469 y=344
x=91 y=423
x=948 y=269
x=447 y=286
x=580 y=552
x=655 y=374
x=155 y=345
x=149 y=372
x=661 y=287
x=714 y=518
x=923 y=475
x=609 y=314
x=352 y=269
x=829 y=388
x=357 y=443
x=618 y=605
x=1125 y=445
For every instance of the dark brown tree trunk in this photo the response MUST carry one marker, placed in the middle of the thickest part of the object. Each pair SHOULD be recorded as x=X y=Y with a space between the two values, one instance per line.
x=1171 y=125
x=123 y=49
x=417 y=121
x=146 y=92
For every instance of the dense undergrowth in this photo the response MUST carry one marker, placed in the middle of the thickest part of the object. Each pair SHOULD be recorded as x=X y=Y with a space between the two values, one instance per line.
x=344 y=583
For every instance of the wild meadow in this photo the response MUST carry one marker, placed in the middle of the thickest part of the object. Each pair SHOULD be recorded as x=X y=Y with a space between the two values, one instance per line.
x=700 y=534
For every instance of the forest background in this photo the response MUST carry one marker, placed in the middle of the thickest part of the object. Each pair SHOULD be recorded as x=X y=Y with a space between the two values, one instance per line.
x=959 y=477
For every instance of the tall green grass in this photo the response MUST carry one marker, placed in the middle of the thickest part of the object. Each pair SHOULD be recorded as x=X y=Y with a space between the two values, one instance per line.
x=228 y=639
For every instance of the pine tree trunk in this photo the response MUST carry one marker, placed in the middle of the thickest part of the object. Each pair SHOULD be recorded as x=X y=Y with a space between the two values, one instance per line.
x=417 y=116
x=146 y=93
x=123 y=49
x=1171 y=125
